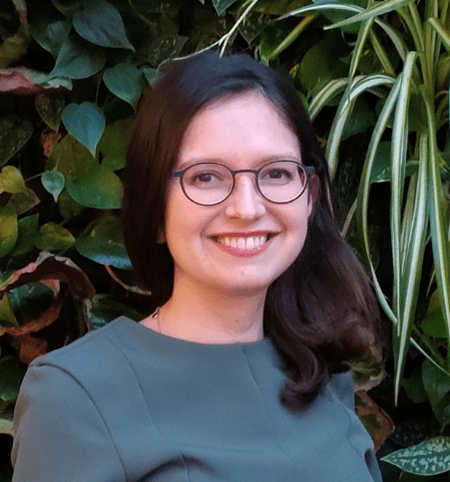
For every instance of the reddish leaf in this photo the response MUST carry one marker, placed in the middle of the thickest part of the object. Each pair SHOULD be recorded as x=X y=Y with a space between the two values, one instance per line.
x=377 y=422
x=23 y=81
x=50 y=267
x=46 y=319
x=54 y=327
x=21 y=9
x=31 y=348
x=11 y=80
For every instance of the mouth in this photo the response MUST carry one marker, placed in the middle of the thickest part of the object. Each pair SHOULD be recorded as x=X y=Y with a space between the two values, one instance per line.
x=248 y=244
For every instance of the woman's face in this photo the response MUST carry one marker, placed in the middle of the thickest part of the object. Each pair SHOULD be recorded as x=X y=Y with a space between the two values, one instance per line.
x=243 y=244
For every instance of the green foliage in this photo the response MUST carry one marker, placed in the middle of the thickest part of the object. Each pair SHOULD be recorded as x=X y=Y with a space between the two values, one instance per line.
x=103 y=243
x=78 y=59
x=53 y=181
x=374 y=76
x=86 y=122
x=14 y=134
x=126 y=81
x=99 y=22
x=428 y=458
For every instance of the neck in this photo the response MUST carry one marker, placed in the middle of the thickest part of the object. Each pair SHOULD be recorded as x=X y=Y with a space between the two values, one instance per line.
x=213 y=317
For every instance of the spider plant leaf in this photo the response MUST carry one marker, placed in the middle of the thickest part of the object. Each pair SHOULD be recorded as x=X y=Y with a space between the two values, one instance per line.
x=328 y=92
x=363 y=33
x=324 y=7
x=399 y=143
x=441 y=31
x=396 y=39
x=359 y=85
x=412 y=266
x=438 y=227
x=379 y=9
x=364 y=185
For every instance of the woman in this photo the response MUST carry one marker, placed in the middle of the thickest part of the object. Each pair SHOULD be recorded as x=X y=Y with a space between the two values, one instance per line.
x=258 y=305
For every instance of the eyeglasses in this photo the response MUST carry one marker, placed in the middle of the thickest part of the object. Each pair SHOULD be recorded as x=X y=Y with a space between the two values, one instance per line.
x=208 y=183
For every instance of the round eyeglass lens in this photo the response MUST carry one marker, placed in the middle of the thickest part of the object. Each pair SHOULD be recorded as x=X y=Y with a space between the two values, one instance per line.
x=282 y=181
x=207 y=183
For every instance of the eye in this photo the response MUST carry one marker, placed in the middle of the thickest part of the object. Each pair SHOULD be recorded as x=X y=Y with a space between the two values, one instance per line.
x=205 y=178
x=277 y=175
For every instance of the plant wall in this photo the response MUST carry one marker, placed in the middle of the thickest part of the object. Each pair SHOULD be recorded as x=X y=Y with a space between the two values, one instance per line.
x=374 y=76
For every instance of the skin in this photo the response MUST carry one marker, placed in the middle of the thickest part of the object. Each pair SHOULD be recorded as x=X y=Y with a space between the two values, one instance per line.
x=219 y=295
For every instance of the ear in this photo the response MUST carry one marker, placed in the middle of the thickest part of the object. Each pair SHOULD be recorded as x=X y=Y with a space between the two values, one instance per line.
x=313 y=192
x=161 y=237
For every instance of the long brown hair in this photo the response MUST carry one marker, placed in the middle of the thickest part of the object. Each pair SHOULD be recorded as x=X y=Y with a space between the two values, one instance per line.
x=321 y=312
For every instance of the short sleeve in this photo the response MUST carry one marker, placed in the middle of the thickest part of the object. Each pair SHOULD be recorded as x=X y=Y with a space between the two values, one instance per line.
x=59 y=433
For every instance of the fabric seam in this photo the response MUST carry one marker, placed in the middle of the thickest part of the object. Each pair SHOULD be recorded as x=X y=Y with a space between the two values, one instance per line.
x=38 y=365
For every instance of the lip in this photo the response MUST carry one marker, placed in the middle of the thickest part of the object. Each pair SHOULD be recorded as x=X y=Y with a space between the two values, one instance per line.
x=245 y=253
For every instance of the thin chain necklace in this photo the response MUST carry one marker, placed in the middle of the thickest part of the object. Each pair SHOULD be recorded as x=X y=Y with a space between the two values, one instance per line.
x=156 y=317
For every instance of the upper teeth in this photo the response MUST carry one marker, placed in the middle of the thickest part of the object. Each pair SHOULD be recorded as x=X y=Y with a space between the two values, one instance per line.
x=250 y=242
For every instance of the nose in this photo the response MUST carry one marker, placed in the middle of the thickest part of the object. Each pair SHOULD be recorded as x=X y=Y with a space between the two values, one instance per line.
x=245 y=202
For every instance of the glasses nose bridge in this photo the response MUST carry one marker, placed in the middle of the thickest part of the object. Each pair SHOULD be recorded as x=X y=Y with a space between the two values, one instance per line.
x=251 y=171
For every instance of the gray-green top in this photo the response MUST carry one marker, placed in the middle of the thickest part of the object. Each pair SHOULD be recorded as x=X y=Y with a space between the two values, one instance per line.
x=125 y=403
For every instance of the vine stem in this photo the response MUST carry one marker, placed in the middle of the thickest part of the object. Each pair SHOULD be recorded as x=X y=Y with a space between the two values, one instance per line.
x=133 y=289
x=33 y=177
x=227 y=37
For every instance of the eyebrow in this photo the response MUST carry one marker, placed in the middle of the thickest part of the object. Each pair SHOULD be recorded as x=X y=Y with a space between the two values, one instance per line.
x=264 y=161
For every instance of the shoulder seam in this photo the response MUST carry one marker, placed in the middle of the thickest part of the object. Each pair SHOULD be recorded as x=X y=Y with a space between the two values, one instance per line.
x=74 y=378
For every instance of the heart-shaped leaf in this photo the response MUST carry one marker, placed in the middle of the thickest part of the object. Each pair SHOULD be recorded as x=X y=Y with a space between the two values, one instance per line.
x=125 y=81
x=49 y=28
x=27 y=232
x=85 y=122
x=14 y=134
x=53 y=181
x=68 y=207
x=114 y=143
x=11 y=180
x=49 y=106
x=165 y=48
x=57 y=33
x=151 y=74
x=22 y=202
x=72 y=159
x=104 y=243
x=54 y=238
x=78 y=59
x=101 y=190
x=8 y=230
x=100 y=22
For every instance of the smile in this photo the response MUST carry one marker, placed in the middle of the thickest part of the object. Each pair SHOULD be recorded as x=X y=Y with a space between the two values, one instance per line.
x=244 y=245
x=248 y=243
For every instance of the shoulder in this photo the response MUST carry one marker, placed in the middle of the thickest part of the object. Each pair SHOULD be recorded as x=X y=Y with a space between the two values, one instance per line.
x=93 y=348
x=86 y=366
x=59 y=420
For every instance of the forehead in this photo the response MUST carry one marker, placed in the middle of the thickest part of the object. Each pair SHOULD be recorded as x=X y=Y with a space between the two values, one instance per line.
x=246 y=125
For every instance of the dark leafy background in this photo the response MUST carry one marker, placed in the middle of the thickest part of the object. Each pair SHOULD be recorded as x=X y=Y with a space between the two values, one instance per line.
x=71 y=74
